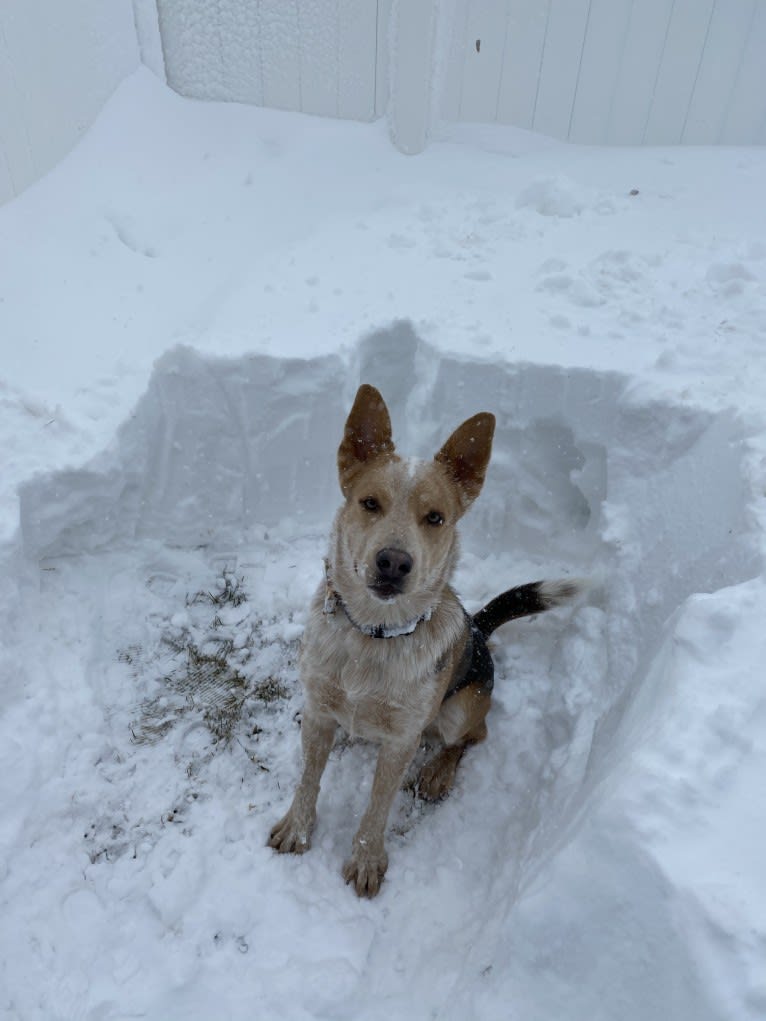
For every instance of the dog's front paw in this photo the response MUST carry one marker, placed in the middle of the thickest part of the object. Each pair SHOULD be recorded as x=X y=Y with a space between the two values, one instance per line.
x=365 y=869
x=291 y=835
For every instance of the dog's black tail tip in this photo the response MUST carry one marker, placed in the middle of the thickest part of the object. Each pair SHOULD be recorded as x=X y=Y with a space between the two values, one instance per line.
x=525 y=600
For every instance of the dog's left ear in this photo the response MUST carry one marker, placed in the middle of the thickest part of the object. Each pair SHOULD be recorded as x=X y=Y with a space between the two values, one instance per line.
x=367 y=435
x=466 y=455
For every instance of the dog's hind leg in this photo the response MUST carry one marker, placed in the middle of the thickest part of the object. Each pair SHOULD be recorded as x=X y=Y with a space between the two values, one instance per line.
x=292 y=834
x=460 y=723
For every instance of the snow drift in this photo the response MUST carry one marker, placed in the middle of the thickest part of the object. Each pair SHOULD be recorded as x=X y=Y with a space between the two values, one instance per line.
x=601 y=854
x=234 y=458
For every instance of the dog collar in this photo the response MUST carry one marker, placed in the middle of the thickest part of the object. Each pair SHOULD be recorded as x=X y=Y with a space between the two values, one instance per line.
x=333 y=600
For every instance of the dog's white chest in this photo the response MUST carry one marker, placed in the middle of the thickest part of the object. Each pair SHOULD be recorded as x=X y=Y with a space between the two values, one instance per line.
x=372 y=691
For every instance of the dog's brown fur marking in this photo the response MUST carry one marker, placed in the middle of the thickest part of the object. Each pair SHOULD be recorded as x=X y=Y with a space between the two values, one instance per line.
x=386 y=634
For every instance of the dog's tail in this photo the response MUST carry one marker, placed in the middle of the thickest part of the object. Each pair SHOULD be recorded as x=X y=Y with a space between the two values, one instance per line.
x=523 y=600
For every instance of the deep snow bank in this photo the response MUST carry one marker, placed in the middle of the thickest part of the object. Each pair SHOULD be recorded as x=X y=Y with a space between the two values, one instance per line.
x=134 y=877
x=152 y=828
x=648 y=498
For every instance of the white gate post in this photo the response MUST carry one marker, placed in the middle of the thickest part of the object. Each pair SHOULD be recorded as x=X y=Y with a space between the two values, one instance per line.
x=411 y=46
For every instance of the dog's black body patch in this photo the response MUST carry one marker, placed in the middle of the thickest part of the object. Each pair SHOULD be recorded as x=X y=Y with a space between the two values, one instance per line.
x=476 y=666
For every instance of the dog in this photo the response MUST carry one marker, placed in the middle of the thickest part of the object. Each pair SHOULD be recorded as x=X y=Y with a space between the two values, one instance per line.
x=389 y=653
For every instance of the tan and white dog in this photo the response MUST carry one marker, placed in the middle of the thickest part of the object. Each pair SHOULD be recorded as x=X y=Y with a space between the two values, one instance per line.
x=389 y=653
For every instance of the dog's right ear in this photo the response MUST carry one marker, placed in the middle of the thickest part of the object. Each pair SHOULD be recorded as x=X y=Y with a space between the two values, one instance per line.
x=367 y=435
x=466 y=455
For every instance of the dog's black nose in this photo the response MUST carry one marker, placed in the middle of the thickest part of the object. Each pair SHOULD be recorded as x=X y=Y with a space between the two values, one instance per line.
x=393 y=564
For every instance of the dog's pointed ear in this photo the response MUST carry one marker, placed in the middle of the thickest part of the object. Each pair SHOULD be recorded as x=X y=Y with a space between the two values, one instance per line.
x=466 y=455
x=367 y=434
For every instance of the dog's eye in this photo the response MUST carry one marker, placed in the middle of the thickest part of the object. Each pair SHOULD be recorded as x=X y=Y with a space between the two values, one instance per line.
x=434 y=518
x=370 y=504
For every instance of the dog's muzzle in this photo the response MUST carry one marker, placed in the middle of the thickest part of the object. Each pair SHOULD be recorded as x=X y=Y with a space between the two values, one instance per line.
x=393 y=567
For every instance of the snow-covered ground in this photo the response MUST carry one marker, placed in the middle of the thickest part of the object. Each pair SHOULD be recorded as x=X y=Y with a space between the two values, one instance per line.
x=187 y=305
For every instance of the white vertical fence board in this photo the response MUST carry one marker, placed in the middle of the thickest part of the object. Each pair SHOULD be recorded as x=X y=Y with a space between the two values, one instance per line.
x=148 y=35
x=451 y=82
x=236 y=48
x=644 y=44
x=560 y=66
x=687 y=32
x=745 y=122
x=483 y=46
x=413 y=33
x=318 y=32
x=17 y=161
x=522 y=60
x=382 y=56
x=280 y=54
x=7 y=183
x=602 y=53
x=725 y=45
x=60 y=63
x=191 y=43
x=318 y=56
x=357 y=40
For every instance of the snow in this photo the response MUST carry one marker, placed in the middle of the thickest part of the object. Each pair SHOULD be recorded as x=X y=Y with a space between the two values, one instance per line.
x=187 y=305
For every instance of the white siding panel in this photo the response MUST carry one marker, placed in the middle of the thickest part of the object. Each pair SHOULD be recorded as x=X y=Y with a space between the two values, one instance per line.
x=382 y=56
x=522 y=60
x=148 y=36
x=318 y=56
x=560 y=68
x=639 y=67
x=236 y=65
x=602 y=56
x=451 y=75
x=18 y=166
x=687 y=33
x=413 y=38
x=745 y=122
x=357 y=41
x=280 y=54
x=483 y=46
x=191 y=41
x=724 y=48
x=59 y=63
x=7 y=183
x=318 y=33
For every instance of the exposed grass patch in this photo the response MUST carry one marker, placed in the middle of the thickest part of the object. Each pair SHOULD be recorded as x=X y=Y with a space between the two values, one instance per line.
x=215 y=650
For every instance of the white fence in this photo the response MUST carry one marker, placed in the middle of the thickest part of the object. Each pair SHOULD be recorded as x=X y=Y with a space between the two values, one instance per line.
x=653 y=72
x=317 y=56
x=60 y=60
x=592 y=71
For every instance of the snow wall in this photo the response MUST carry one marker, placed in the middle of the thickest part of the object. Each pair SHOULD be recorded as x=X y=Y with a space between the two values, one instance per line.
x=59 y=63
x=646 y=498
x=529 y=883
